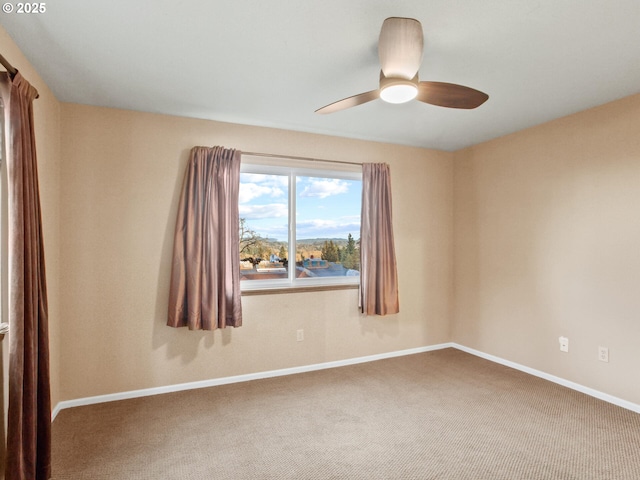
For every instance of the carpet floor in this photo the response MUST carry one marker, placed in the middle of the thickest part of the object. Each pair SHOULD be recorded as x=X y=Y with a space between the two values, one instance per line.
x=443 y=415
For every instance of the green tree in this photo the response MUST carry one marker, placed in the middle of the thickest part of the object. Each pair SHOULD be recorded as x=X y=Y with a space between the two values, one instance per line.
x=350 y=254
x=330 y=251
x=351 y=245
x=283 y=252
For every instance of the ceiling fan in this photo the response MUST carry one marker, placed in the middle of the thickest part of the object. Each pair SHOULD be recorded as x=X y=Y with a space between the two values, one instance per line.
x=400 y=50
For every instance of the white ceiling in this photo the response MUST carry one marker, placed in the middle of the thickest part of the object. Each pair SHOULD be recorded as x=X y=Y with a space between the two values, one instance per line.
x=273 y=63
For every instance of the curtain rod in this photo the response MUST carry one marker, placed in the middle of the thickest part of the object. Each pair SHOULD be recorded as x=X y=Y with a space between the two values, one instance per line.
x=5 y=63
x=290 y=157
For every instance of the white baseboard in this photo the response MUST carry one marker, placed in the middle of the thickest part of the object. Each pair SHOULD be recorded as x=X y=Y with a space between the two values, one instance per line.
x=338 y=363
x=552 y=378
x=237 y=378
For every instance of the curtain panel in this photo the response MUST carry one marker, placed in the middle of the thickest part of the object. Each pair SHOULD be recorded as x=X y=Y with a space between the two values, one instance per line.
x=29 y=423
x=205 y=275
x=378 y=272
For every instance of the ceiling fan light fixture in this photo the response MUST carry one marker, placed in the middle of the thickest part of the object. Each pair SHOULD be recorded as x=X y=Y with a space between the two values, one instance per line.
x=399 y=93
x=398 y=90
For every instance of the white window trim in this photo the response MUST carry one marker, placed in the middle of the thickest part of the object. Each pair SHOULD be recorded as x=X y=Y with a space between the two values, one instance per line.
x=275 y=167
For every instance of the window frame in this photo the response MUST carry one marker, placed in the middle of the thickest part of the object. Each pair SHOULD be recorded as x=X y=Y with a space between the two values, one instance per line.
x=292 y=170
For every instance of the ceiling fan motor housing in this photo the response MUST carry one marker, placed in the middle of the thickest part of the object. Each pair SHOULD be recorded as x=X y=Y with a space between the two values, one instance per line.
x=400 y=47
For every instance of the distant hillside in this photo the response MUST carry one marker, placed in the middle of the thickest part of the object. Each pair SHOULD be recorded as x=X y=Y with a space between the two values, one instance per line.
x=320 y=241
x=315 y=242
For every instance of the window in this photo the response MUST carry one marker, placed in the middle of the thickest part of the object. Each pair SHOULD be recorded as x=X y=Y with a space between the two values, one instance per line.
x=298 y=226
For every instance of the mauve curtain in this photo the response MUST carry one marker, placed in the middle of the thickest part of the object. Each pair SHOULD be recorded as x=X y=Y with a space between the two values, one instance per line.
x=378 y=275
x=205 y=276
x=29 y=424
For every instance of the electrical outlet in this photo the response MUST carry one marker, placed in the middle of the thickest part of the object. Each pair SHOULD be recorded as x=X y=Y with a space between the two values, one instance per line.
x=603 y=354
x=564 y=344
x=300 y=335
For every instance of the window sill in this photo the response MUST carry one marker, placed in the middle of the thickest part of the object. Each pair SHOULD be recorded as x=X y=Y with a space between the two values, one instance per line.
x=314 y=288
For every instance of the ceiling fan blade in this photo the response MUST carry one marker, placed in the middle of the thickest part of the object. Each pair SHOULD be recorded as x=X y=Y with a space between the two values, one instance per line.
x=400 y=47
x=450 y=95
x=349 y=102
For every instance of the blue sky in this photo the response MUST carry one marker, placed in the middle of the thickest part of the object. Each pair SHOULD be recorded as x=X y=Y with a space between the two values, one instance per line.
x=326 y=207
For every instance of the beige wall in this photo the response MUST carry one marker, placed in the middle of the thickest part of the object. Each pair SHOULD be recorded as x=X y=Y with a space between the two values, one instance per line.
x=47 y=125
x=547 y=243
x=122 y=173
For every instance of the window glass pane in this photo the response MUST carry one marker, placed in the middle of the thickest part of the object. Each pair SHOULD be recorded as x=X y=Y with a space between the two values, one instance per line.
x=264 y=226
x=327 y=227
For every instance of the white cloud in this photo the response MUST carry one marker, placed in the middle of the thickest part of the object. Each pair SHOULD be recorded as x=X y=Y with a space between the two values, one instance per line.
x=317 y=224
x=327 y=229
x=249 y=191
x=325 y=188
x=255 y=185
x=265 y=179
x=272 y=210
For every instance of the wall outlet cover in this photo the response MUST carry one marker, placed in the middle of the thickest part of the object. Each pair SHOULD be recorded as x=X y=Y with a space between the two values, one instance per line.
x=603 y=354
x=564 y=344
